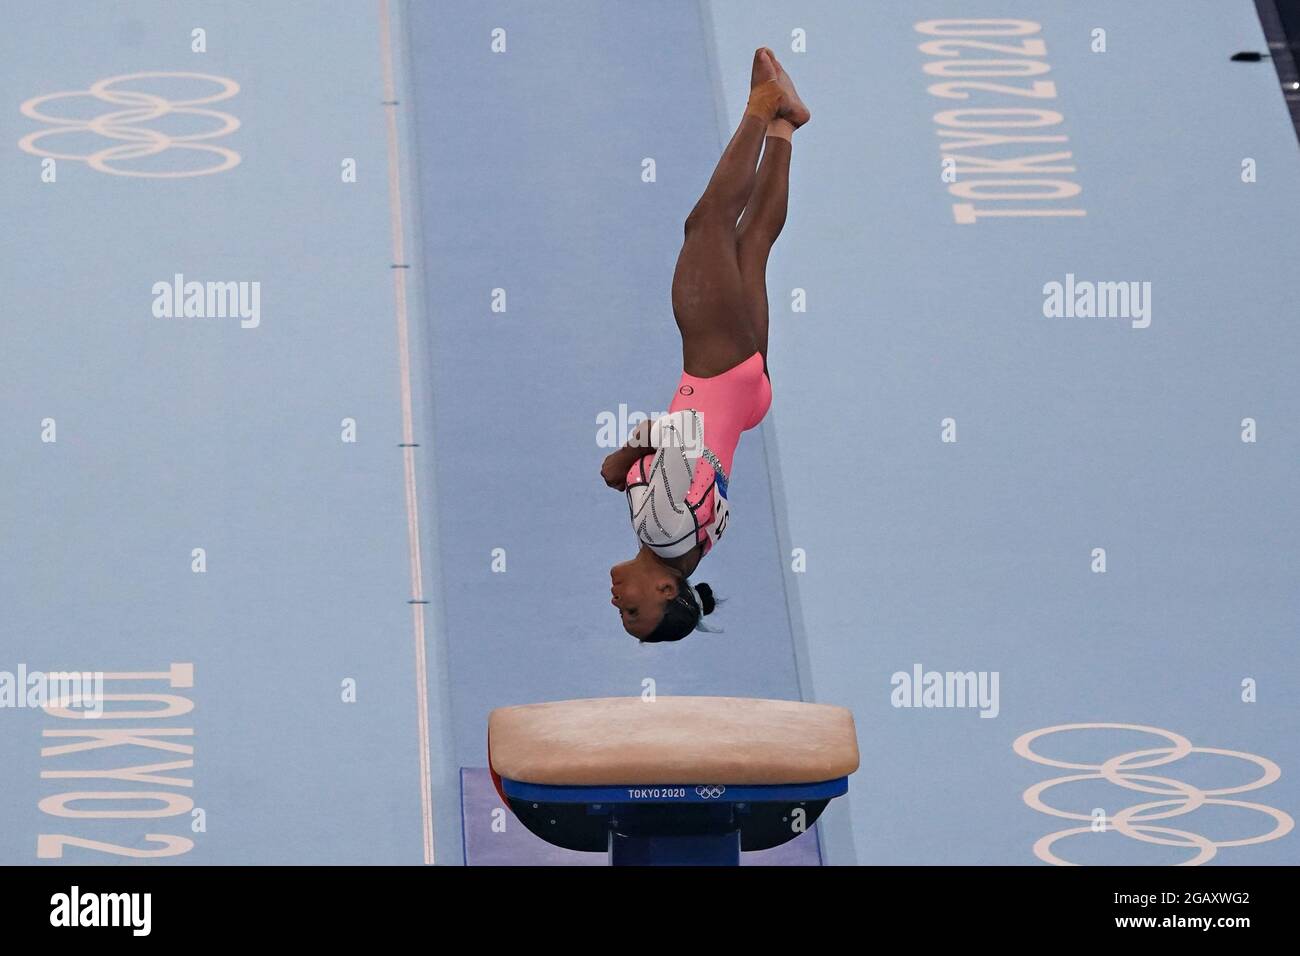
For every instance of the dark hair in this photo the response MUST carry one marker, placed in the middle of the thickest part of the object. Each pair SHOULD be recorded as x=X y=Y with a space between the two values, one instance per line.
x=681 y=614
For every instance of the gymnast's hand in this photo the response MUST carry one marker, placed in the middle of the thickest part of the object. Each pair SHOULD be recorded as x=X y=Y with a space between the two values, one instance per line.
x=614 y=470
x=616 y=466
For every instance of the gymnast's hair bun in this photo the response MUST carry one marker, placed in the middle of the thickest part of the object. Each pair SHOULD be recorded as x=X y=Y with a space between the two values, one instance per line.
x=707 y=603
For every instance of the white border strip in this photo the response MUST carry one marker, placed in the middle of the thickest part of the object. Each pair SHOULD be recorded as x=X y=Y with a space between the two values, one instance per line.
x=408 y=428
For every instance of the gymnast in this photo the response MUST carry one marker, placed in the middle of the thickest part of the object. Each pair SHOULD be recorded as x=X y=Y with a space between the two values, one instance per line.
x=675 y=470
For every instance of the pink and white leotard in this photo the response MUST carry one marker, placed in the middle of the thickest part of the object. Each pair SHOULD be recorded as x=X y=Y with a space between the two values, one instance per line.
x=677 y=496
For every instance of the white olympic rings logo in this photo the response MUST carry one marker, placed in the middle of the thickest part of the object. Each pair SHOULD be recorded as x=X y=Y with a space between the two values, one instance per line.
x=137 y=141
x=711 y=792
x=1137 y=821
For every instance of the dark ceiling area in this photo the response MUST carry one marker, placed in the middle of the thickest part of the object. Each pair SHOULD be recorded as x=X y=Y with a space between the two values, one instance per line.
x=1281 y=22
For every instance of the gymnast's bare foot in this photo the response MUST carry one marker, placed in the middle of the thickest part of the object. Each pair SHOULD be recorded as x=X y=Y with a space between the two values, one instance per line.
x=793 y=109
x=767 y=97
x=765 y=67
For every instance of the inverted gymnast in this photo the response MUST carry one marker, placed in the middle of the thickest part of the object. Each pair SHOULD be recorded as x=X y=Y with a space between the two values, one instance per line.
x=675 y=470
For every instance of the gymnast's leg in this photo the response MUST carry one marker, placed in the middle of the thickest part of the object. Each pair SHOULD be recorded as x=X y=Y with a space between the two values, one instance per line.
x=709 y=296
x=764 y=215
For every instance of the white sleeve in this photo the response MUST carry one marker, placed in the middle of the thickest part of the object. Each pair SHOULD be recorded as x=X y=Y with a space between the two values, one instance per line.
x=659 y=513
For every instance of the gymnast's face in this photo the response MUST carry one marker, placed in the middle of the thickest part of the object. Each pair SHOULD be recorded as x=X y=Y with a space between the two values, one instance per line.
x=640 y=590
